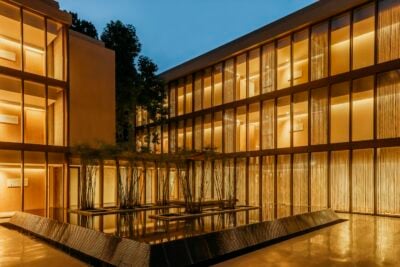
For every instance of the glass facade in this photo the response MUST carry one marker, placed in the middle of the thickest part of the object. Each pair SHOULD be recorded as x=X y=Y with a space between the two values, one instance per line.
x=307 y=121
x=33 y=55
x=33 y=113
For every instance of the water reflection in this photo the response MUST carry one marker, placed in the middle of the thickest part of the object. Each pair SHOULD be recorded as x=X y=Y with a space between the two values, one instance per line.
x=139 y=226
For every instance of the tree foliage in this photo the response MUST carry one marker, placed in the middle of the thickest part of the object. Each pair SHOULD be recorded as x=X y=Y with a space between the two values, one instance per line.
x=150 y=95
x=123 y=40
x=83 y=26
x=136 y=80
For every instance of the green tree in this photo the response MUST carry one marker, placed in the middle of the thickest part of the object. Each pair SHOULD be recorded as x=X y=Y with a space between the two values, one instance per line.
x=123 y=40
x=83 y=26
x=150 y=95
x=136 y=86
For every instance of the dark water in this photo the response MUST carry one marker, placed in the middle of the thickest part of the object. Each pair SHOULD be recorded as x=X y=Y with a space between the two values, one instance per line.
x=138 y=226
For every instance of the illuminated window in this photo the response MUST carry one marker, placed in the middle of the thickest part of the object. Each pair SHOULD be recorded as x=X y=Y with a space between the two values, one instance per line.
x=254 y=72
x=10 y=109
x=241 y=126
x=181 y=97
x=229 y=128
x=207 y=89
x=217 y=145
x=10 y=36
x=268 y=187
x=284 y=63
x=253 y=137
x=165 y=139
x=364 y=36
x=181 y=132
x=319 y=181
x=268 y=125
x=217 y=98
x=389 y=30
x=241 y=77
x=10 y=180
x=157 y=141
x=388 y=105
x=254 y=186
x=388 y=167
x=340 y=44
x=229 y=76
x=300 y=183
x=172 y=138
x=197 y=133
x=55 y=50
x=197 y=91
x=34 y=43
x=188 y=93
x=283 y=185
x=55 y=115
x=300 y=119
x=188 y=135
x=35 y=192
x=340 y=113
x=207 y=132
x=55 y=173
x=319 y=116
x=150 y=181
x=300 y=57
x=172 y=100
x=241 y=187
x=35 y=113
x=283 y=122
x=268 y=68
x=340 y=180
x=319 y=51
x=363 y=109
x=362 y=170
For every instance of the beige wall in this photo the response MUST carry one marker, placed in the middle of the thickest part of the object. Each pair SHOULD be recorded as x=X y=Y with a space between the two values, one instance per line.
x=92 y=91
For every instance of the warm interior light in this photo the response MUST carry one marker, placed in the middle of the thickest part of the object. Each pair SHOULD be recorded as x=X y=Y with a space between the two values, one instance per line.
x=17 y=44
x=9 y=105
x=8 y=55
x=9 y=119
x=7 y=41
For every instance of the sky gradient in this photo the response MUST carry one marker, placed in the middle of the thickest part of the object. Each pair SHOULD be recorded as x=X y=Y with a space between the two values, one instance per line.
x=174 y=31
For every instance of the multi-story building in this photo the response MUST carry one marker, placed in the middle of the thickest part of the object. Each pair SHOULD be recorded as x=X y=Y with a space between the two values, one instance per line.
x=305 y=111
x=57 y=90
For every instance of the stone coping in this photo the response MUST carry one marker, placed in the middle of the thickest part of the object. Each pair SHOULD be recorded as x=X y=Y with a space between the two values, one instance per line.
x=218 y=246
x=100 y=249
x=92 y=246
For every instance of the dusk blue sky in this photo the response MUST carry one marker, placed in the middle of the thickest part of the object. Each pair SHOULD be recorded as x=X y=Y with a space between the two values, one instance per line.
x=174 y=31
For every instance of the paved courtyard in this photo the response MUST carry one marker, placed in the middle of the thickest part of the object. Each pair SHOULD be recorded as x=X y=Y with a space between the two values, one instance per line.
x=361 y=241
x=17 y=249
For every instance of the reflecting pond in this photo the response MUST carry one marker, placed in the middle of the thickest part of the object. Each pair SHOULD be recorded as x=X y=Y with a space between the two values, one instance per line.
x=162 y=224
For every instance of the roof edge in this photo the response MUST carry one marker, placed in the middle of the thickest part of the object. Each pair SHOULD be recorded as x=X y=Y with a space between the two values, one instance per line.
x=48 y=8
x=292 y=22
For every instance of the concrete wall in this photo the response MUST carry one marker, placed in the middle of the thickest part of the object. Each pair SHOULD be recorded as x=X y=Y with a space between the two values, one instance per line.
x=92 y=91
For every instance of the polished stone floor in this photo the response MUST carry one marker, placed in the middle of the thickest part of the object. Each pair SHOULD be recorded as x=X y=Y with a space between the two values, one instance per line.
x=17 y=249
x=361 y=241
